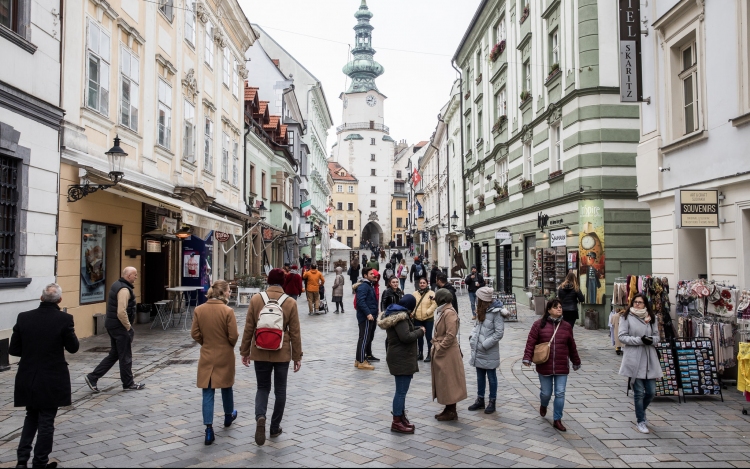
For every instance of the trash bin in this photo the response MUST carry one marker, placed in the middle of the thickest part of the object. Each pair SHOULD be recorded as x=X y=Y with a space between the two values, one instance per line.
x=144 y=313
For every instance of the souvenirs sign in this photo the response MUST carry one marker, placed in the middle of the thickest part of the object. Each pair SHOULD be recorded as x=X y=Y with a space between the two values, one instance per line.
x=698 y=209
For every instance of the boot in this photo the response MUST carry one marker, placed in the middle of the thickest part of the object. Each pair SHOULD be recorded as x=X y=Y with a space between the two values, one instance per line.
x=427 y=359
x=406 y=420
x=542 y=411
x=478 y=404
x=449 y=414
x=420 y=357
x=559 y=425
x=490 y=408
x=365 y=365
x=398 y=426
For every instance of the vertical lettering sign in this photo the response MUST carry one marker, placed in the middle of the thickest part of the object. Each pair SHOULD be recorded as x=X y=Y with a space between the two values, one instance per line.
x=631 y=89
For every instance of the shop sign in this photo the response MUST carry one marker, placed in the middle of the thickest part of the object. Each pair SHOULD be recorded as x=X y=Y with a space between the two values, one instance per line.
x=465 y=245
x=504 y=237
x=93 y=263
x=558 y=238
x=425 y=237
x=153 y=246
x=543 y=221
x=698 y=209
x=591 y=250
x=267 y=235
x=221 y=236
x=168 y=224
x=631 y=84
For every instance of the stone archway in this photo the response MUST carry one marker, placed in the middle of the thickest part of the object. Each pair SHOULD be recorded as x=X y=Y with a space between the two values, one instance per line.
x=374 y=233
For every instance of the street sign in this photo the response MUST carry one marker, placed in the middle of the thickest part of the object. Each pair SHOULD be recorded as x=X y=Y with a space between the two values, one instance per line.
x=221 y=236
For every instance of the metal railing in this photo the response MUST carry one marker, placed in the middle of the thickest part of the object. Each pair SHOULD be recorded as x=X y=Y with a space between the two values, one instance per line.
x=363 y=126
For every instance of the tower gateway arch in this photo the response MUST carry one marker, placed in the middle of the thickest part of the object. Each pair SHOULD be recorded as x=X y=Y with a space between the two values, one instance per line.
x=364 y=146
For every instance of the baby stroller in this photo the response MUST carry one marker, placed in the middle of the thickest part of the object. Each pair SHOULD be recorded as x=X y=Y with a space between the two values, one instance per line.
x=323 y=307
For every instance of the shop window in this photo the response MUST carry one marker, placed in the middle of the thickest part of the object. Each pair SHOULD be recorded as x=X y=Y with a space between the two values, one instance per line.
x=9 y=204
x=208 y=160
x=100 y=263
x=167 y=8
x=129 y=73
x=209 y=46
x=350 y=225
x=164 y=121
x=225 y=157
x=188 y=138
x=190 y=22
x=339 y=224
x=350 y=207
x=97 y=69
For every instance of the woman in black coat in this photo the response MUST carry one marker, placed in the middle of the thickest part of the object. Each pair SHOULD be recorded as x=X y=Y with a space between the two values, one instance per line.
x=401 y=355
x=570 y=295
x=353 y=272
x=433 y=277
x=392 y=295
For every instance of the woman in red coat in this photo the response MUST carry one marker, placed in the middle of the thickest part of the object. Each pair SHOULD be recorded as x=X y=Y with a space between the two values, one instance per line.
x=553 y=374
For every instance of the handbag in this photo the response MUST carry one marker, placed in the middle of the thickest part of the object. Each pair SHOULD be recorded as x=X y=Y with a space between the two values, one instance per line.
x=541 y=351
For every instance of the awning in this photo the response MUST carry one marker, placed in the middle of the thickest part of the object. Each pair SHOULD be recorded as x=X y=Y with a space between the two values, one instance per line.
x=191 y=215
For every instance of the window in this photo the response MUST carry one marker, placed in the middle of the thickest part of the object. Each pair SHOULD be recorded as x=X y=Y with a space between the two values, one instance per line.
x=208 y=160
x=350 y=225
x=190 y=22
x=98 y=69
x=225 y=157
x=501 y=104
x=528 y=168
x=372 y=157
x=372 y=141
x=399 y=222
x=372 y=204
x=479 y=125
x=274 y=194
x=164 y=120
x=252 y=179
x=399 y=205
x=339 y=188
x=502 y=171
x=129 y=73
x=235 y=164
x=689 y=78
x=556 y=155
x=373 y=172
x=339 y=224
x=8 y=213
x=9 y=14
x=398 y=174
x=338 y=239
x=209 y=55
x=468 y=137
x=398 y=187
x=372 y=189
x=350 y=242
x=290 y=137
x=554 y=49
x=500 y=31
x=340 y=206
x=527 y=76
x=227 y=73
x=263 y=184
x=351 y=189
x=235 y=78
x=188 y=138
x=167 y=7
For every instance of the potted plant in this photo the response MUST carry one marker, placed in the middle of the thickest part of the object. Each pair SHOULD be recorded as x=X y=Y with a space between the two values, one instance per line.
x=480 y=200
x=479 y=79
x=525 y=14
x=470 y=209
x=525 y=96
x=502 y=191
x=247 y=286
x=553 y=70
x=526 y=184
x=498 y=49
x=556 y=174
x=500 y=121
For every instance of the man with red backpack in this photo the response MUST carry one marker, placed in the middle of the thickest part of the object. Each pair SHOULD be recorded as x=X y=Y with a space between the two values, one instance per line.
x=272 y=339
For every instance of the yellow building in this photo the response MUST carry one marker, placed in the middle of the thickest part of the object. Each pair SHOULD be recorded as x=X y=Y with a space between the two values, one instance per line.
x=166 y=80
x=399 y=214
x=344 y=216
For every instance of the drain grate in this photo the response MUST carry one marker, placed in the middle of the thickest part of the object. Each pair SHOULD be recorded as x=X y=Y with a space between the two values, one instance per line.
x=181 y=362
x=99 y=350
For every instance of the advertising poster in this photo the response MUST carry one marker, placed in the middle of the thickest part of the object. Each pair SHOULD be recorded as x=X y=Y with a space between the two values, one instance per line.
x=591 y=250
x=93 y=263
x=191 y=264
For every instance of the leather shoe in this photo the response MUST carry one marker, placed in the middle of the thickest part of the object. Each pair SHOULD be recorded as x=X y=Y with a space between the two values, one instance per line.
x=478 y=404
x=559 y=425
x=542 y=411
x=398 y=426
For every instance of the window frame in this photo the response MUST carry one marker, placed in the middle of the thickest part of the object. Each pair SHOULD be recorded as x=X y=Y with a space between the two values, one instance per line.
x=235 y=163
x=208 y=144
x=97 y=54
x=689 y=73
x=556 y=147
x=164 y=106
x=349 y=207
x=372 y=190
x=373 y=204
x=527 y=76
x=340 y=188
x=188 y=129
x=372 y=141
x=350 y=190
x=340 y=225
x=190 y=14
x=554 y=56
x=373 y=172
x=399 y=205
x=350 y=225
x=528 y=162
x=226 y=72
x=209 y=48
x=13 y=215
x=133 y=82
x=235 y=77
x=166 y=7
x=340 y=206
x=225 y=142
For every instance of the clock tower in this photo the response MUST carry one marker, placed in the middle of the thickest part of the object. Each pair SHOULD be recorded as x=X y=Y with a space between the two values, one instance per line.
x=363 y=144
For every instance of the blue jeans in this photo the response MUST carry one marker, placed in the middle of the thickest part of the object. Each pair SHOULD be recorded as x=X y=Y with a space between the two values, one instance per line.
x=428 y=325
x=399 y=399
x=227 y=398
x=403 y=283
x=644 y=391
x=557 y=382
x=473 y=301
x=482 y=377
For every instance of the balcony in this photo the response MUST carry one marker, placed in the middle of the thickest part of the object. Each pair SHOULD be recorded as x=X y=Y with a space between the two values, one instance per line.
x=362 y=126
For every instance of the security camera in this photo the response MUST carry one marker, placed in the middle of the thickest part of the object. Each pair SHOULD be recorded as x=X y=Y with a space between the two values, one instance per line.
x=664 y=169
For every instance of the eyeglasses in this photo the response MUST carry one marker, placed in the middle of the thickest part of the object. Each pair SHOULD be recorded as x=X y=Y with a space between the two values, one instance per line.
x=639 y=302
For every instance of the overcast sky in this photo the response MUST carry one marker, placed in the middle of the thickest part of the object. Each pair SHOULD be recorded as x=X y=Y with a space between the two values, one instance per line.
x=417 y=83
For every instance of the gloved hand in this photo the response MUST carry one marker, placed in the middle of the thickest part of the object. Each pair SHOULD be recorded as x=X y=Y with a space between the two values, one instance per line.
x=647 y=340
x=576 y=367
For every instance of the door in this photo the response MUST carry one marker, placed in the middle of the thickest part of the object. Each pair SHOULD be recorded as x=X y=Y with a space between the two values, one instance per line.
x=508 y=275
x=156 y=274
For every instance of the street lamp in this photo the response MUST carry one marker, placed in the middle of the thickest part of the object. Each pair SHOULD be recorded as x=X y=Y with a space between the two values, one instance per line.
x=262 y=210
x=116 y=157
x=454 y=220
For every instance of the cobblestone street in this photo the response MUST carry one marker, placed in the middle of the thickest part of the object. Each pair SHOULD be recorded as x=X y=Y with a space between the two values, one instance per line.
x=339 y=416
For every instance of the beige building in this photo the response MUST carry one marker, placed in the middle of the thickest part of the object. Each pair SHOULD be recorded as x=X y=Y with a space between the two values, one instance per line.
x=167 y=81
x=344 y=217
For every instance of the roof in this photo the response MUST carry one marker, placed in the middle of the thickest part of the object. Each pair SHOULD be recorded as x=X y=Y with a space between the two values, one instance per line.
x=421 y=144
x=388 y=138
x=335 y=244
x=334 y=169
x=282 y=135
x=469 y=29
x=250 y=92
x=273 y=124
x=354 y=137
x=263 y=107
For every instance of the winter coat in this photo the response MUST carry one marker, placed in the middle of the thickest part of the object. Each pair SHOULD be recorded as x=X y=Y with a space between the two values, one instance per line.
x=448 y=374
x=367 y=301
x=353 y=273
x=293 y=284
x=470 y=283
x=562 y=351
x=401 y=342
x=291 y=349
x=433 y=275
x=639 y=361
x=414 y=275
x=426 y=309
x=338 y=284
x=215 y=329
x=570 y=297
x=452 y=289
x=485 y=339
x=390 y=297
x=373 y=264
x=41 y=337
x=313 y=280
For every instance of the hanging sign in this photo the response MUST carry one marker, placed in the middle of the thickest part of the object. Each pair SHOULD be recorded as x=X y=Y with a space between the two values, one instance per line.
x=558 y=238
x=631 y=83
x=502 y=235
x=221 y=236
x=153 y=246
x=698 y=209
x=465 y=245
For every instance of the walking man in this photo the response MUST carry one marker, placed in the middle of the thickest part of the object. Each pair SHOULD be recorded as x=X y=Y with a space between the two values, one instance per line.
x=474 y=281
x=367 y=314
x=40 y=337
x=120 y=314
x=313 y=280
x=270 y=363
x=417 y=272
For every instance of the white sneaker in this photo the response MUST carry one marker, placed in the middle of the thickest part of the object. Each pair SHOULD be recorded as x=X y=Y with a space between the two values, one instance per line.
x=642 y=427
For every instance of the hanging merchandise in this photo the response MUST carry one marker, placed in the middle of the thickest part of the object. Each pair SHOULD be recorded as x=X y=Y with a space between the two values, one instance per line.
x=698 y=370
x=656 y=290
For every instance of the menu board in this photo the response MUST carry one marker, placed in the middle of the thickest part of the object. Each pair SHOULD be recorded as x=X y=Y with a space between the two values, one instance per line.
x=509 y=303
x=667 y=385
x=697 y=364
x=93 y=263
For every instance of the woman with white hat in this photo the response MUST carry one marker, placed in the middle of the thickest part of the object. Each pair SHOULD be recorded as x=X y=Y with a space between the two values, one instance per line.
x=485 y=346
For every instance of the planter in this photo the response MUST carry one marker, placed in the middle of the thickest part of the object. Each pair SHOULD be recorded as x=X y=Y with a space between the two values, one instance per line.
x=245 y=294
x=555 y=175
x=479 y=79
x=467 y=96
x=497 y=50
x=552 y=74
x=525 y=14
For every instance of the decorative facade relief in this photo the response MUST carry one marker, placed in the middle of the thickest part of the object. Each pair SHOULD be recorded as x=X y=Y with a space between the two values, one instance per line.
x=202 y=13
x=191 y=85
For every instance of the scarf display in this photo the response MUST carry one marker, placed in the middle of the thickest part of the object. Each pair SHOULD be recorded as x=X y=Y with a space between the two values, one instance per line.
x=656 y=290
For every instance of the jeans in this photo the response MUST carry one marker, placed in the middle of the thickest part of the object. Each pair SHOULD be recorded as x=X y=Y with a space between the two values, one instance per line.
x=644 y=391
x=121 y=351
x=263 y=371
x=557 y=382
x=366 y=331
x=39 y=422
x=313 y=300
x=482 y=377
x=473 y=301
x=403 y=283
x=428 y=325
x=227 y=398
x=399 y=399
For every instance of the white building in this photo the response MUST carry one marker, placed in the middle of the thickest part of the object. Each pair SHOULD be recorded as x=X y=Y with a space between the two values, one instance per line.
x=695 y=135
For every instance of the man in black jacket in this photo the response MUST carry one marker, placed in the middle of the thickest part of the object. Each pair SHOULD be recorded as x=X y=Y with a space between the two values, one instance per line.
x=40 y=337
x=418 y=271
x=442 y=282
x=474 y=281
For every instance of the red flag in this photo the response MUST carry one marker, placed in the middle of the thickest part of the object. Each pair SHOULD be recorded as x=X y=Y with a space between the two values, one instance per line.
x=416 y=178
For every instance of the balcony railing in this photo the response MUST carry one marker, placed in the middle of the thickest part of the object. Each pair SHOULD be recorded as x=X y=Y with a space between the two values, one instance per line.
x=363 y=126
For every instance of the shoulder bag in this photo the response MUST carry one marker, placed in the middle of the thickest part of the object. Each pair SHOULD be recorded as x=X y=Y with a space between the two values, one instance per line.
x=541 y=351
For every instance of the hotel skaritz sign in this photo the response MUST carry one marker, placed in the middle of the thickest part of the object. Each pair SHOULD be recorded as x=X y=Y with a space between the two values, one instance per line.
x=697 y=208
x=631 y=86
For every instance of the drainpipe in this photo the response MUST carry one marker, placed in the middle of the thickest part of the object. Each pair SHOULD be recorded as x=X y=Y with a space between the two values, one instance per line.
x=461 y=103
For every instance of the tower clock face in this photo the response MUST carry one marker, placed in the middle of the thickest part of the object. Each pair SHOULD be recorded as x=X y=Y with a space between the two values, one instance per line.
x=372 y=101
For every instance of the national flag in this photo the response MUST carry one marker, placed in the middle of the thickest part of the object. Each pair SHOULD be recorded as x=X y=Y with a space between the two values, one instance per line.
x=416 y=178
x=306 y=208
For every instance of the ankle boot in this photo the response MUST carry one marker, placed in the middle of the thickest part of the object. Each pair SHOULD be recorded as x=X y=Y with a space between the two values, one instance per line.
x=398 y=426
x=490 y=407
x=449 y=414
x=559 y=425
x=406 y=421
x=478 y=404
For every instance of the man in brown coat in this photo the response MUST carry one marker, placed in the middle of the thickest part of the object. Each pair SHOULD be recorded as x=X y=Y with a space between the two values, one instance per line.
x=269 y=362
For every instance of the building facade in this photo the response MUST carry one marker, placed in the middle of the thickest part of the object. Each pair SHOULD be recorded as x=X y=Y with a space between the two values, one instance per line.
x=400 y=234
x=695 y=70
x=344 y=213
x=546 y=141
x=30 y=119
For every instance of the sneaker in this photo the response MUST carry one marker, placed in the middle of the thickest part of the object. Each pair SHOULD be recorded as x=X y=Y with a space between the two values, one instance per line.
x=276 y=433
x=365 y=365
x=642 y=427
x=91 y=384
x=210 y=437
x=260 y=432
x=427 y=359
x=372 y=359
x=230 y=418
x=134 y=387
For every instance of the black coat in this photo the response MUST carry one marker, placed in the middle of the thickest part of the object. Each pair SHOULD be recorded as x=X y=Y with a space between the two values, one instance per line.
x=401 y=343
x=40 y=338
x=390 y=297
x=353 y=274
x=570 y=298
x=470 y=284
x=433 y=275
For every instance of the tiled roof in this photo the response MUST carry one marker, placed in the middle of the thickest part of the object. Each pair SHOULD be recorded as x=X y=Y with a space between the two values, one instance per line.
x=263 y=107
x=250 y=93
x=282 y=134
x=421 y=144
x=334 y=169
x=273 y=124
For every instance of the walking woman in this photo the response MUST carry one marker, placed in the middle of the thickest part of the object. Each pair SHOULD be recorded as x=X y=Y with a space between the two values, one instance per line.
x=485 y=346
x=553 y=373
x=570 y=295
x=392 y=295
x=354 y=272
x=215 y=329
x=638 y=332
x=448 y=375
x=402 y=273
x=337 y=292
x=401 y=355
x=424 y=315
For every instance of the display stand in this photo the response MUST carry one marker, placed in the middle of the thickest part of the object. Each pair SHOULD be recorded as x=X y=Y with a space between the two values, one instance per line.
x=697 y=367
x=553 y=269
x=509 y=303
x=668 y=385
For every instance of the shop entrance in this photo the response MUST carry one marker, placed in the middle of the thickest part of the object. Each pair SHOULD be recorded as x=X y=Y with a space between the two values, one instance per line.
x=155 y=274
x=745 y=254
x=503 y=266
x=691 y=253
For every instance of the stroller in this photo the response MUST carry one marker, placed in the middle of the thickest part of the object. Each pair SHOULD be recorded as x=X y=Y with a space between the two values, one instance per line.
x=323 y=307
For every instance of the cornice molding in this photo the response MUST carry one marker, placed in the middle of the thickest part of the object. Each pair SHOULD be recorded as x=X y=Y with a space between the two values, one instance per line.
x=133 y=34
x=166 y=64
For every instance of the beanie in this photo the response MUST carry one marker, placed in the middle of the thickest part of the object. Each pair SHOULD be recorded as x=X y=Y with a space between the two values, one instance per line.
x=276 y=277
x=485 y=294
x=408 y=302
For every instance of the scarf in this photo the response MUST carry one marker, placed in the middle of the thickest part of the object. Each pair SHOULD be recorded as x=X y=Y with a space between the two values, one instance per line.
x=554 y=320
x=424 y=291
x=641 y=313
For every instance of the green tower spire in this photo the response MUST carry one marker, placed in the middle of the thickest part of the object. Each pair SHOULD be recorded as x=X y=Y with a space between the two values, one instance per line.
x=363 y=69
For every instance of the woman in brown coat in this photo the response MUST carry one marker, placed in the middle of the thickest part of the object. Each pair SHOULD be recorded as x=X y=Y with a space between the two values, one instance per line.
x=448 y=376
x=215 y=328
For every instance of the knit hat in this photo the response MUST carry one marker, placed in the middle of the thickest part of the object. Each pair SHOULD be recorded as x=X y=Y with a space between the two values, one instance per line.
x=276 y=277
x=485 y=294
x=408 y=302
x=443 y=296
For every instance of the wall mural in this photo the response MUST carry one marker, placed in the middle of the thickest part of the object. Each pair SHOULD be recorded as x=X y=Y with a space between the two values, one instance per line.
x=591 y=249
